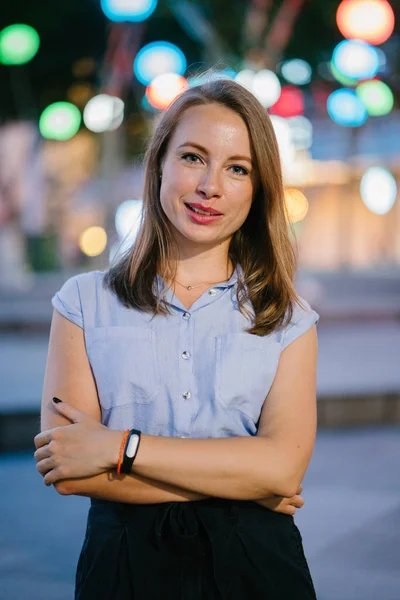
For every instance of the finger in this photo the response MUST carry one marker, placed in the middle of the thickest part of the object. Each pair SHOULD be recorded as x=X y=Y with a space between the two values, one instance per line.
x=72 y=413
x=41 y=453
x=297 y=501
x=45 y=465
x=300 y=489
x=43 y=438
x=52 y=477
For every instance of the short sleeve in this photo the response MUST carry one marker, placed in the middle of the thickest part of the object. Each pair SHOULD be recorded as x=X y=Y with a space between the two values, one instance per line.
x=302 y=320
x=67 y=301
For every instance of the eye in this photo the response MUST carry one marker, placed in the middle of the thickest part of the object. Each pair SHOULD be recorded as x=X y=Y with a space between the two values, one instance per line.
x=241 y=170
x=189 y=156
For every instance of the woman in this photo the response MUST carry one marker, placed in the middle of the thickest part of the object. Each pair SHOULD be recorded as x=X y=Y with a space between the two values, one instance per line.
x=197 y=341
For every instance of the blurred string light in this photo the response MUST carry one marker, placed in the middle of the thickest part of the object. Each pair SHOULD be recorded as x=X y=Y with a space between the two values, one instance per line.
x=301 y=132
x=93 y=241
x=103 y=113
x=290 y=103
x=164 y=89
x=346 y=108
x=378 y=190
x=356 y=59
x=369 y=20
x=296 y=71
x=283 y=134
x=158 y=58
x=377 y=97
x=296 y=204
x=128 y=10
x=19 y=43
x=60 y=121
x=264 y=85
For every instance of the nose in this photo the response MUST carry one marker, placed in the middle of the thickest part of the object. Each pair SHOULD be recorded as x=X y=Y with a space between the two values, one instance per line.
x=210 y=184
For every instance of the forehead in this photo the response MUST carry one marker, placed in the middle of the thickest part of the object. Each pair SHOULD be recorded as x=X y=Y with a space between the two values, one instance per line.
x=214 y=127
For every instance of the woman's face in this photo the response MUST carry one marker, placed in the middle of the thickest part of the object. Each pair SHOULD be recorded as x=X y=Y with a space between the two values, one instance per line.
x=208 y=166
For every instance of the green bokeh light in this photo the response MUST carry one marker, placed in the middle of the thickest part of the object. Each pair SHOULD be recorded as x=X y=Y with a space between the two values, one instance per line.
x=377 y=97
x=346 y=81
x=60 y=121
x=18 y=44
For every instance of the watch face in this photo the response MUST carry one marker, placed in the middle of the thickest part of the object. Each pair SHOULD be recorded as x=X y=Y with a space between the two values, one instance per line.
x=132 y=445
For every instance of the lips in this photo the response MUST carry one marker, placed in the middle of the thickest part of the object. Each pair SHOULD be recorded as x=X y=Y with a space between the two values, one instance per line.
x=210 y=210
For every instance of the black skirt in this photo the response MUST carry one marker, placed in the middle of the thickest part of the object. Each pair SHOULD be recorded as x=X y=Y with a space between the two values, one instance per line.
x=204 y=550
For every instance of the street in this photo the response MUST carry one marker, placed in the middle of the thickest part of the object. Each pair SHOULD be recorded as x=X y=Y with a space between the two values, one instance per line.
x=350 y=522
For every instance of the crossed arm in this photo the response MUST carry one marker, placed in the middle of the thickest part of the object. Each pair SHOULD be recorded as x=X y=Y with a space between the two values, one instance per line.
x=166 y=469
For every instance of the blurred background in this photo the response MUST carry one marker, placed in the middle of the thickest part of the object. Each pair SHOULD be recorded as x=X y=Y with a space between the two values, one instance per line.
x=82 y=84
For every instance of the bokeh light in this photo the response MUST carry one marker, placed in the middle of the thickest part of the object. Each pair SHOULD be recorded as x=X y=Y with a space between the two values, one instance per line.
x=93 y=241
x=19 y=43
x=345 y=81
x=368 y=20
x=164 y=89
x=378 y=190
x=296 y=204
x=103 y=113
x=128 y=10
x=128 y=219
x=283 y=134
x=266 y=87
x=290 y=103
x=346 y=108
x=296 y=71
x=60 y=121
x=356 y=59
x=377 y=97
x=158 y=58
x=245 y=78
x=301 y=131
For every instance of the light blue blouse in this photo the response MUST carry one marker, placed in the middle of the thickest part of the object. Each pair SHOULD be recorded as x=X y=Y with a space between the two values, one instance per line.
x=194 y=373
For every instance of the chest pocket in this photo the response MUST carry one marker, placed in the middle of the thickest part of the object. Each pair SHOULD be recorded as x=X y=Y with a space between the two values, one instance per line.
x=124 y=364
x=245 y=369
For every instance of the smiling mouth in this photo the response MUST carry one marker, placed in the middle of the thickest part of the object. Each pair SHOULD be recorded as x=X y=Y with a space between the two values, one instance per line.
x=202 y=212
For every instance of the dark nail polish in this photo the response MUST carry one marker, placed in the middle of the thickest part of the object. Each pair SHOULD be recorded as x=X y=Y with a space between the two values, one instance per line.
x=56 y=400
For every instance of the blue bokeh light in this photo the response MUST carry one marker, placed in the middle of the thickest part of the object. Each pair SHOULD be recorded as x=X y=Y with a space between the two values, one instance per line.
x=346 y=108
x=128 y=10
x=156 y=59
x=356 y=59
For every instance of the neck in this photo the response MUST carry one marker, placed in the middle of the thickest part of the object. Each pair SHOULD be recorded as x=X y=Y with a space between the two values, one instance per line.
x=207 y=267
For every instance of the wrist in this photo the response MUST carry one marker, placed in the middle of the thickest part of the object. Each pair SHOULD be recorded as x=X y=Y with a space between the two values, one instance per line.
x=116 y=438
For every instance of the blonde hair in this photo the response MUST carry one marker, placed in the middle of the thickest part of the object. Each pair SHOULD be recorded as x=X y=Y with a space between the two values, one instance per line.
x=262 y=245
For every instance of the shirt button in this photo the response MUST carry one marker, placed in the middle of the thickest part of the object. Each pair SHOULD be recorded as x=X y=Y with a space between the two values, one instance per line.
x=187 y=395
x=186 y=315
x=185 y=355
x=212 y=292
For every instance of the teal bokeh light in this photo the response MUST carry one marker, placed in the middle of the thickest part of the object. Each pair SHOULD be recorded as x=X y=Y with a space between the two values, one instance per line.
x=346 y=108
x=128 y=10
x=158 y=58
x=356 y=59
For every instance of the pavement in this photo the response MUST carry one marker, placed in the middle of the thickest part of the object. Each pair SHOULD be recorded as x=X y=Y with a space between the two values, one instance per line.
x=350 y=522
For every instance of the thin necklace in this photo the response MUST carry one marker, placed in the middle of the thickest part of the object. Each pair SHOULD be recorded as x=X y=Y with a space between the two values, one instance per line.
x=192 y=287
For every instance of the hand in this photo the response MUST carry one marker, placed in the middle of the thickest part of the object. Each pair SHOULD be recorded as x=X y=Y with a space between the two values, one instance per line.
x=280 y=504
x=82 y=449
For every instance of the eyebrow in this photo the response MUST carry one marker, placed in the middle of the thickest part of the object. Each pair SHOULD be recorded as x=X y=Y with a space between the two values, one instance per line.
x=200 y=147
